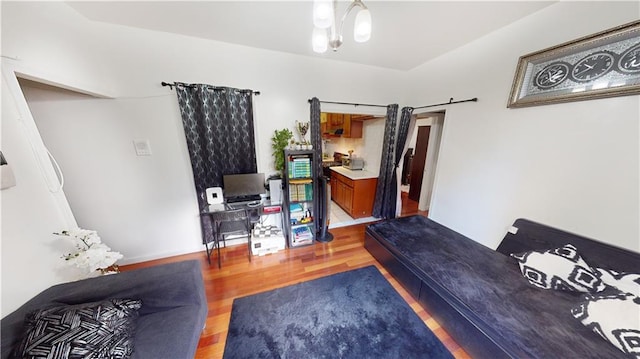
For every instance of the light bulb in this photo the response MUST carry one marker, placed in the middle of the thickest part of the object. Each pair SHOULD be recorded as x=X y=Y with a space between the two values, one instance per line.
x=322 y=13
x=362 y=27
x=319 y=40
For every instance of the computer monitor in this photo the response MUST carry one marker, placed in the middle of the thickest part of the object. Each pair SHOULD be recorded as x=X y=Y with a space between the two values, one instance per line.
x=242 y=185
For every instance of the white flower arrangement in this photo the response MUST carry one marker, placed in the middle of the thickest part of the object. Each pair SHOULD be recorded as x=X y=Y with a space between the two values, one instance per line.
x=90 y=252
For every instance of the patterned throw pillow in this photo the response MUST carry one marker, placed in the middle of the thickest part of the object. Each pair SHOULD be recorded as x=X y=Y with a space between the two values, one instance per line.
x=624 y=282
x=616 y=318
x=89 y=331
x=561 y=268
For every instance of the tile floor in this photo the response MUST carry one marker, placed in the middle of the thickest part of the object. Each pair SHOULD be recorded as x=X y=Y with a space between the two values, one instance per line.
x=339 y=218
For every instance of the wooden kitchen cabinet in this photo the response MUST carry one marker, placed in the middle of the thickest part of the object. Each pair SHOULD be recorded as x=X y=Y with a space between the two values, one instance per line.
x=332 y=122
x=344 y=196
x=348 y=199
x=340 y=194
x=354 y=196
x=336 y=120
x=324 y=123
x=351 y=128
x=334 y=186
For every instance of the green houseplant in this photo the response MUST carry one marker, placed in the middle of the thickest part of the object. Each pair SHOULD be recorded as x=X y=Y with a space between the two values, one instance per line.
x=279 y=142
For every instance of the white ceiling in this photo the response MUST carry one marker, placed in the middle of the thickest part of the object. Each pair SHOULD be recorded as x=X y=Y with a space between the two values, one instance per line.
x=405 y=34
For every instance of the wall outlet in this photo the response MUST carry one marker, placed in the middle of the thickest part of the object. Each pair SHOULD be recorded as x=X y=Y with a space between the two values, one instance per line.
x=143 y=148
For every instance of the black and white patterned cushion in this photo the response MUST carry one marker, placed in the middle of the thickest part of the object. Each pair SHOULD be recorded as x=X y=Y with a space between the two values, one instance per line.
x=616 y=318
x=90 y=331
x=560 y=268
x=624 y=282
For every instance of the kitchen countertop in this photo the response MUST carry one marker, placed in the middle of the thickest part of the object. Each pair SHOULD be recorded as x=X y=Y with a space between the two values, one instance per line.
x=354 y=175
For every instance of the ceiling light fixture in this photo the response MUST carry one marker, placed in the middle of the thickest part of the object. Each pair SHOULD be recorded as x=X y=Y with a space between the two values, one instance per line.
x=326 y=31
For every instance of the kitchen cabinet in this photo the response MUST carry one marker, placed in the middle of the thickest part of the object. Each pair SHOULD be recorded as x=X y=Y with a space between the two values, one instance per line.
x=336 y=120
x=344 y=195
x=354 y=196
x=340 y=125
x=351 y=127
x=334 y=186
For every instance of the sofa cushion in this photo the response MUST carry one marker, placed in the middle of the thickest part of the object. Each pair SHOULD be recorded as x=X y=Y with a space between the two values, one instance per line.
x=559 y=268
x=91 y=330
x=615 y=317
x=624 y=282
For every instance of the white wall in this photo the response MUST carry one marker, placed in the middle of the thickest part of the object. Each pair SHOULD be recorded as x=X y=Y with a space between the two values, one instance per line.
x=574 y=166
x=144 y=207
x=30 y=214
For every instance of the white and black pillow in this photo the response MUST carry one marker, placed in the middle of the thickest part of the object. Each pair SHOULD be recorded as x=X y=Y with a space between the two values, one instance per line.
x=89 y=331
x=624 y=282
x=560 y=268
x=616 y=318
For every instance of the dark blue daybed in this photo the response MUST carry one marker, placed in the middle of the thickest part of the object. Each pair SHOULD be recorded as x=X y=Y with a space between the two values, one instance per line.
x=479 y=295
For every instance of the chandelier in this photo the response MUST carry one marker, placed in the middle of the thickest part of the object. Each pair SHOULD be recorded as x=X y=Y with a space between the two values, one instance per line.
x=326 y=31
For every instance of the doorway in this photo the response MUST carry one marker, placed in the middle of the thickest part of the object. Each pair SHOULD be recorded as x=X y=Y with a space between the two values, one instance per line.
x=421 y=157
x=361 y=139
x=56 y=130
x=416 y=171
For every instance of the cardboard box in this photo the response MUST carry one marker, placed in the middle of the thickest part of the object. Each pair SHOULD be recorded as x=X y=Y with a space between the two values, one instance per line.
x=265 y=245
x=266 y=239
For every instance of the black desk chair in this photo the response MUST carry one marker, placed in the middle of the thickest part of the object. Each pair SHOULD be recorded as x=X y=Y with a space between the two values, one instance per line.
x=227 y=223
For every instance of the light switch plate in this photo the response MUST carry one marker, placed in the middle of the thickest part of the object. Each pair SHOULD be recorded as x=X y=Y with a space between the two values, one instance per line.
x=143 y=148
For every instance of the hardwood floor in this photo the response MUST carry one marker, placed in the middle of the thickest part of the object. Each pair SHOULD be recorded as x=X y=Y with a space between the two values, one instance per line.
x=238 y=278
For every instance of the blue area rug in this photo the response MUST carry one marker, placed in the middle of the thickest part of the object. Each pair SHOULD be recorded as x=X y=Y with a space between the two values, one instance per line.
x=355 y=314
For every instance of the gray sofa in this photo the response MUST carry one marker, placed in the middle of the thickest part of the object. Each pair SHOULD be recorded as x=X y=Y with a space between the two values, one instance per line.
x=171 y=319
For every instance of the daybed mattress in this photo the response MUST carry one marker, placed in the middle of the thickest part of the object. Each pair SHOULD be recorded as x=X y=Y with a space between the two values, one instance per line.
x=488 y=289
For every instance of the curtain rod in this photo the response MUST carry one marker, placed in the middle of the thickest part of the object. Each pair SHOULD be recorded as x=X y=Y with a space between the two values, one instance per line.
x=171 y=85
x=352 y=103
x=451 y=102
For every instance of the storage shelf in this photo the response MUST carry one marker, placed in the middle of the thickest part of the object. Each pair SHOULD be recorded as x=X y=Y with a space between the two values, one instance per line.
x=305 y=201
x=300 y=192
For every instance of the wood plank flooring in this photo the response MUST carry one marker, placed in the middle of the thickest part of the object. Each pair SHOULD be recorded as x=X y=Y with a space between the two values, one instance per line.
x=240 y=277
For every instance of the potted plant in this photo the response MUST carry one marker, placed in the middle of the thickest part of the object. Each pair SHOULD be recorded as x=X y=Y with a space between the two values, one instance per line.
x=279 y=142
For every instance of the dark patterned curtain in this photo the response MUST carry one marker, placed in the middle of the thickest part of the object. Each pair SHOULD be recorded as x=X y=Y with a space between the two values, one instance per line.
x=403 y=131
x=218 y=126
x=316 y=142
x=385 y=201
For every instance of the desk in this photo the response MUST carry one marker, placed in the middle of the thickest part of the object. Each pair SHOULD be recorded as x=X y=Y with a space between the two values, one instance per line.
x=256 y=213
